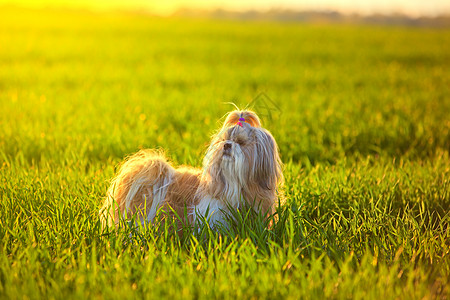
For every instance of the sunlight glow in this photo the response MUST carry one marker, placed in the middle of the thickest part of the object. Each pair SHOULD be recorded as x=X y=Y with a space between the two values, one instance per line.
x=410 y=7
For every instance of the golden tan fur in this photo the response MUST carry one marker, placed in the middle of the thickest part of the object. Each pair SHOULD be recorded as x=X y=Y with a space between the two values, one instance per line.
x=242 y=164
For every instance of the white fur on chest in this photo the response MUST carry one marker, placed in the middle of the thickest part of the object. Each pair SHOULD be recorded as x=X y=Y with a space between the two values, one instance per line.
x=212 y=210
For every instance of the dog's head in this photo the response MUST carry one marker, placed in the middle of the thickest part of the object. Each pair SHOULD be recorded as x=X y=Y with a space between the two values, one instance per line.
x=243 y=162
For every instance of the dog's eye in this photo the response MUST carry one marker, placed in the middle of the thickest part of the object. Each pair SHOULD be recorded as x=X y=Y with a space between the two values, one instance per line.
x=240 y=142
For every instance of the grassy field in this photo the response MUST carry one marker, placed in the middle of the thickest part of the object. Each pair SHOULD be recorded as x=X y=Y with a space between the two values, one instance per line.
x=361 y=115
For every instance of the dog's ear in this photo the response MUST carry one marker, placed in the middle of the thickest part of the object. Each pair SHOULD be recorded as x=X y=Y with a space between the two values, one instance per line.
x=250 y=118
x=268 y=172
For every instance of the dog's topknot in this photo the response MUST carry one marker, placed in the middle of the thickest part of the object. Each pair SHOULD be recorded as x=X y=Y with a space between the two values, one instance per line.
x=250 y=118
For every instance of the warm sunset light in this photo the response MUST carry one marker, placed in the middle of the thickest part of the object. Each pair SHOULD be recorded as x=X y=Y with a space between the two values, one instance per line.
x=224 y=149
x=411 y=7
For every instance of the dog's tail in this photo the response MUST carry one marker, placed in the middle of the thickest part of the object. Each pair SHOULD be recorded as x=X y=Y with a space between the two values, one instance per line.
x=139 y=188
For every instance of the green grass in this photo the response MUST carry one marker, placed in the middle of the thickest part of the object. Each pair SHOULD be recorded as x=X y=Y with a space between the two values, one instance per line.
x=361 y=115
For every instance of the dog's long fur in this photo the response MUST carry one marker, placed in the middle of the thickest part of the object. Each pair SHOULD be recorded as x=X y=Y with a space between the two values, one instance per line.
x=241 y=166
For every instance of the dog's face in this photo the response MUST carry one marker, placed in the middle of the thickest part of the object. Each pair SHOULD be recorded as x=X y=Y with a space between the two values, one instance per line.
x=243 y=156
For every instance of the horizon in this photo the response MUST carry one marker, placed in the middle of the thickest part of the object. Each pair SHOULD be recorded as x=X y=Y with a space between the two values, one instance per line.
x=413 y=8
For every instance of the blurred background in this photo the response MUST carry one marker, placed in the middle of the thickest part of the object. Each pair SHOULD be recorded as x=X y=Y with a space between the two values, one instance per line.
x=408 y=7
x=331 y=79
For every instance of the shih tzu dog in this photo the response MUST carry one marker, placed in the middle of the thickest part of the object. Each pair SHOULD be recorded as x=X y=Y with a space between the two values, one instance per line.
x=241 y=167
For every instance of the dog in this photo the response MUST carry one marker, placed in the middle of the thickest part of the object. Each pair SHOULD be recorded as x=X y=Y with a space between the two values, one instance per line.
x=241 y=167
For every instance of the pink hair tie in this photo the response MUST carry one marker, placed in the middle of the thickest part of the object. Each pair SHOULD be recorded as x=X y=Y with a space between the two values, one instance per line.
x=239 y=122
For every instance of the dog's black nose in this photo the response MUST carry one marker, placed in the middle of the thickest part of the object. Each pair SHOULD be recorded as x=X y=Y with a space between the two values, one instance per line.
x=227 y=146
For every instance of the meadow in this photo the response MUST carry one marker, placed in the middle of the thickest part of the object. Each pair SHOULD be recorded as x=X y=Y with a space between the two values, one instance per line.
x=360 y=113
